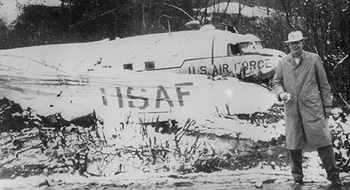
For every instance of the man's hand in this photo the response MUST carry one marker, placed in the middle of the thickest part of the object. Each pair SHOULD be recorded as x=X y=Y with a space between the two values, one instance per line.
x=285 y=97
x=328 y=111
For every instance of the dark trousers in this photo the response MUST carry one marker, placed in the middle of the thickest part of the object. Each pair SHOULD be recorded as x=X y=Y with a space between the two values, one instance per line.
x=327 y=157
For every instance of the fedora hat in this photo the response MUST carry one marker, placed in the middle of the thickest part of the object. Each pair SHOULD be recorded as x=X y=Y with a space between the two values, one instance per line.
x=295 y=36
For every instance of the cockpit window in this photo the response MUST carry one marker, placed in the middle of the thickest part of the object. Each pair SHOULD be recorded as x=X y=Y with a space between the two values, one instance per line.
x=251 y=47
x=233 y=49
x=244 y=48
x=259 y=45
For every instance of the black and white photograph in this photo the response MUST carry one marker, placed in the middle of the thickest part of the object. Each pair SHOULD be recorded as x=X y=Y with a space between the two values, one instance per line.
x=181 y=94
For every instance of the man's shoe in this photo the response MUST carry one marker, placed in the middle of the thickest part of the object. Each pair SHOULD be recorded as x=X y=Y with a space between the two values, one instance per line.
x=336 y=182
x=299 y=182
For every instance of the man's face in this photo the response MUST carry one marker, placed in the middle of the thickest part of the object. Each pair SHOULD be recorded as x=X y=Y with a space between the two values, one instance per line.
x=296 y=47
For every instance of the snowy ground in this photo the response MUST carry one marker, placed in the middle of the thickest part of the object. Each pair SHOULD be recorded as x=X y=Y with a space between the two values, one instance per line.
x=202 y=154
x=257 y=178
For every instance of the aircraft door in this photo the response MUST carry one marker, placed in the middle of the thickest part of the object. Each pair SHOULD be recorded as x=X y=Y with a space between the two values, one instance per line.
x=233 y=60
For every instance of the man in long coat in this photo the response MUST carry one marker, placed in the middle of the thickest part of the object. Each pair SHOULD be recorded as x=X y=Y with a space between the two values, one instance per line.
x=301 y=82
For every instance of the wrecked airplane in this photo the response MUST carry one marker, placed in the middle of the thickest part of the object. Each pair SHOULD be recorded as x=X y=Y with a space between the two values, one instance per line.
x=99 y=77
x=207 y=51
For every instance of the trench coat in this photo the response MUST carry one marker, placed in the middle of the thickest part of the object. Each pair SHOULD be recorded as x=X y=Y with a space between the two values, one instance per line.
x=305 y=121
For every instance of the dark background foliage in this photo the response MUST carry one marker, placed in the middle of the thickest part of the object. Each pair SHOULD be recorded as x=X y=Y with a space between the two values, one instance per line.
x=325 y=23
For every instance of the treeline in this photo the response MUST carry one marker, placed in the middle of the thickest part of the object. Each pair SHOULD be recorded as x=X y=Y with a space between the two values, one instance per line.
x=89 y=20
x=325 y=23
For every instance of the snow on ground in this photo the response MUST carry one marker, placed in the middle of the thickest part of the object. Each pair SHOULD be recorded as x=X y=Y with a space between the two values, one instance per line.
x=136 y=175
x=255 y=178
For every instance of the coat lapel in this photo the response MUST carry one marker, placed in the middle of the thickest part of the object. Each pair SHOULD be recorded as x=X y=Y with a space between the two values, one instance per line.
x=291 y=60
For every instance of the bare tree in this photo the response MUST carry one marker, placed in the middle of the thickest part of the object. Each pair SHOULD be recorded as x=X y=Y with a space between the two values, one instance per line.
x=205 y=12
x=240 y=8
x=199 y=6
x=228 y=3
x=288 y=11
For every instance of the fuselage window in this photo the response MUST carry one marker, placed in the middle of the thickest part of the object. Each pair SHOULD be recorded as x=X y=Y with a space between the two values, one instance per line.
x=233 y=49
x=149 y=65
x=128 y=66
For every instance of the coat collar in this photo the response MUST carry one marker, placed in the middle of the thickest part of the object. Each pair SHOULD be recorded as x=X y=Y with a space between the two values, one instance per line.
x=292 y=60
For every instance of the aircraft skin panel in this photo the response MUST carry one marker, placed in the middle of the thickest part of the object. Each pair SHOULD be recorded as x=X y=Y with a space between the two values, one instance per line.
x=171 y=49
x=166 y=50
x=191 y=53
x=176 y=52
x=160 y=95
x=227 y=65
